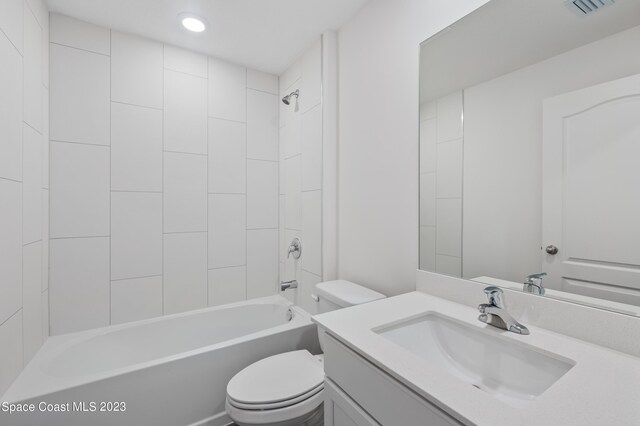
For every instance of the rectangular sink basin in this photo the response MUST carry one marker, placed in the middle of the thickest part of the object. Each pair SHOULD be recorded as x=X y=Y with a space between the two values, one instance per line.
x=510 y=371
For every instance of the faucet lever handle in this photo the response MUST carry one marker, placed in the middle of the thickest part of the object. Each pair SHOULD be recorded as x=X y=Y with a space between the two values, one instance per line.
x=538 y=276
x=494 y=294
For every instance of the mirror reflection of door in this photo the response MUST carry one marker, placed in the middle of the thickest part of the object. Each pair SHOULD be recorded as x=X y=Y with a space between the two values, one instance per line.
x=591 y=190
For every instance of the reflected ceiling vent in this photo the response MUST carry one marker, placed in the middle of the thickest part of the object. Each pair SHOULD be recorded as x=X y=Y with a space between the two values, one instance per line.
x=587 y=7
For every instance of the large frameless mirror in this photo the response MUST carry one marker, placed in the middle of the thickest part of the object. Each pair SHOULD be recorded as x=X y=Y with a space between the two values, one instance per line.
x=530 y=150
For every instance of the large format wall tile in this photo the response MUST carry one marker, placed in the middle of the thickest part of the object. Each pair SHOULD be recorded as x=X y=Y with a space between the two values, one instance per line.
x=80 y=87
x=312 y=149
x=79 y=34
x=32 y=299
x=227 y=157
x=185 y=113
x=227 y=90
x=79 y=287
x=31 y=186
x=262 y=81
x=32 y=70
x=262 y=125
x=181 y=60
x=11 y=361
x=10 y=110
x=227 y=285
x=79 y=190
x=136 y=235
x=227 y=230
x=185 y=192
x=262 y=194
x=185 y=272
x=10 y=248
x=136 y=70
x=136 y=148
x=262 y=262
x=312 y=231
x=136 y=299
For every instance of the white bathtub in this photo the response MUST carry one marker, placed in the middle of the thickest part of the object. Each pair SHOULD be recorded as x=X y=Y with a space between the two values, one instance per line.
x=169 y=371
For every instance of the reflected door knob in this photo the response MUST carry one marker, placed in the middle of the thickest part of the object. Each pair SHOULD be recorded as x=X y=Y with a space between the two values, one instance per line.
x=551 y=249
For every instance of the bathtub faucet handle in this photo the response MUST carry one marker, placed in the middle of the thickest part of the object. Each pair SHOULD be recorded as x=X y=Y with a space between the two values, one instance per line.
x=285 y=285
x=295 y=248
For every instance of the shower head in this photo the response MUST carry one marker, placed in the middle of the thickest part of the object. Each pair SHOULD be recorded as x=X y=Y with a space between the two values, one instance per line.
x=287 y=99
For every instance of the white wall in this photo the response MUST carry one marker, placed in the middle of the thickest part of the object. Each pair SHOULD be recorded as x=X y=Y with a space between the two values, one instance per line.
x=301 y=175
x=378 y=138
x=164 y=179
x=24 y=184
x=503 y=153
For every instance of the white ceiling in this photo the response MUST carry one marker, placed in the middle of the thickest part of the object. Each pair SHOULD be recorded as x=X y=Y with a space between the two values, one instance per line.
x=263 y=34
x=505 y=35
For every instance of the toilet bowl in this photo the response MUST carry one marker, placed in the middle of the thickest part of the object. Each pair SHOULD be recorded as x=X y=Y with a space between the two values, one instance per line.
x=287 y=389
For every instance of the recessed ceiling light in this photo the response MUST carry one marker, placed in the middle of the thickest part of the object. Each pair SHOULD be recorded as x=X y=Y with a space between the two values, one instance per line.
x=192 y=23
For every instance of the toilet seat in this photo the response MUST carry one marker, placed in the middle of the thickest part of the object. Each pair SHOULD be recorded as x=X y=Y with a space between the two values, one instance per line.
x=277 y=388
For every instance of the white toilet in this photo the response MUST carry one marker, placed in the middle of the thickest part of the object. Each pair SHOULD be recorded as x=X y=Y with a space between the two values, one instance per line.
x=286 y=389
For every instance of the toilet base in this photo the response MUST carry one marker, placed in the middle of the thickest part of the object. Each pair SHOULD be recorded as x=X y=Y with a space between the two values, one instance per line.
x=314 y=418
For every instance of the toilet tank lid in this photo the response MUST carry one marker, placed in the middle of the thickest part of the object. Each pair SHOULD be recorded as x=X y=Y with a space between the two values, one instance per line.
x=345 y=293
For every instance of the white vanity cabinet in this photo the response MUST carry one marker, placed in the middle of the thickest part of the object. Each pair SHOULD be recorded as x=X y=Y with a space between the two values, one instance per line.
x=358 y=393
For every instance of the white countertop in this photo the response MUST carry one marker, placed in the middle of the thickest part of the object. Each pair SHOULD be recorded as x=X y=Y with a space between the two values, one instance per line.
x=603 y=388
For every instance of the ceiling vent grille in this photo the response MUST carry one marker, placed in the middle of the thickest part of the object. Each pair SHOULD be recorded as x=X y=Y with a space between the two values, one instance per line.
x=587 y=7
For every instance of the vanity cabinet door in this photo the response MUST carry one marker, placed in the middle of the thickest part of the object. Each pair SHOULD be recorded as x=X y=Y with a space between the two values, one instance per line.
x=340 y=410
x=388 y=401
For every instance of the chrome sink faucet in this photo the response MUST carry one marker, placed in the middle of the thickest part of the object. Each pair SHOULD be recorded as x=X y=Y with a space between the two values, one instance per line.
x=495 y=312
x=533 y=284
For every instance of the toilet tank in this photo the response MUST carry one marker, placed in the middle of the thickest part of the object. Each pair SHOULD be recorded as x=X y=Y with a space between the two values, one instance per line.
x=340 y=294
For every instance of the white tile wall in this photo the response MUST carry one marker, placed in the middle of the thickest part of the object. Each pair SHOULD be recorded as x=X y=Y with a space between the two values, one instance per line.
x=448 y=229
x=227 y=90
x=12 y=23
x=71 y=32
x=227 y=285
x=301 y=176
x=312 y=149
x=185 y=272
x=262 y=194
x=428 y=143
x=23 y=199
x=80 y=87
x=31 y=299
x=449 y=166
x=172 y=186
x=185 y=61
x=11 y=359
x=262 y=81
x=136 y=148
x=428 y=199
x=32 y=70
x=79 y=190
x=10 y=248
x=227 y=157
x=293 y=188
x=185 y=192
x=136 y=67
x=136 y=235
x=79 y=284
x=428 y=248
x=136 y=299
x=311 y=77
x=441 y=173
x=312 y=232
x=262 y=125
x=185 y=113
x=450 y=117
x=31 y=185
x=227 y=230
x=10 y=114
x=262 y=262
